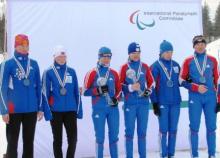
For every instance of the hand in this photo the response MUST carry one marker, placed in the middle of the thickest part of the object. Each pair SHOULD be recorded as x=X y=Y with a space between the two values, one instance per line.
x=202 y=89
x=79 y=116
x=147 y=93
x=156 y=109
x=136 y=86
x=80 y=90
x=189 y=80
x=217 y=109
x=114 y=101
x=40 y=115
x=102 y=89
x=6 y=118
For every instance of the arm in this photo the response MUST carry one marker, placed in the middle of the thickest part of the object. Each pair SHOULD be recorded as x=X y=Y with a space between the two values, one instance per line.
x=45 y=93
x=122 y=77
x=184 y=78
x=156 y=75
x=4 y=82
x=117 y=86
x=88 y=82
x=78 y=97
x=149 y=79
x=38 y=88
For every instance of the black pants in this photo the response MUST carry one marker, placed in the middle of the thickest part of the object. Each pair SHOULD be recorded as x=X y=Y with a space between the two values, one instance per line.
x=28 y=121
x=69 y=120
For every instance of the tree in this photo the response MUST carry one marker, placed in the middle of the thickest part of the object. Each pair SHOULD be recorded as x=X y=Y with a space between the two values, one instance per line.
x=217 y=23
x=2 y=33
x=207 y=24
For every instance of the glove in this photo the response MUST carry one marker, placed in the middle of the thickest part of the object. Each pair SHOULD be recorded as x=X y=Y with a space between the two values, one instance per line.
x=217 y=109
x=79 y=115
x=147 y=93
x=189 y=80
x=102 y=89
x=156 y=109
x=114 y=101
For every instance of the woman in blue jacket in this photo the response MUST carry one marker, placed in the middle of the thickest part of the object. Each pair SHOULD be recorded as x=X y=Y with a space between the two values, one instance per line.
x=166 y=98
x=102 y=84
x=60 y=86
x=21 y=98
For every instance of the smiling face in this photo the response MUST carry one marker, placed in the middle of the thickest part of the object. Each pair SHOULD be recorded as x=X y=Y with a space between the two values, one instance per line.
x=200 y=47
x=22 y=49
x=105 y=59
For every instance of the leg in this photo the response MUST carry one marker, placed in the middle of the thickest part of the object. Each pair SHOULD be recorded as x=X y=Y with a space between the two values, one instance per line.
x=113 y=127
x=195 y=111
x=163 y=127
x=13 y=130
x=70 y=123
x=57 y=129
x=174 y=113
x=129 y=116
x=99 y=117
x=210 y=120
x=28 y=123
x=142 y=120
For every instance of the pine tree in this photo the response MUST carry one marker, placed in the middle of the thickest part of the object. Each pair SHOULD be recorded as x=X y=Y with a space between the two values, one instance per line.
x=207 y=24
x=2 y=30
x=217 y=23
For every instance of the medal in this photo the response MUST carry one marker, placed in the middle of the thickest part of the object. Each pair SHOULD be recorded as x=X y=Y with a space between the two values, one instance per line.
x=63 y=90
x=130 y=73
x=26 y=81
x=102 y=81
x=169 y=83
x=202 y=79
x=168 y=75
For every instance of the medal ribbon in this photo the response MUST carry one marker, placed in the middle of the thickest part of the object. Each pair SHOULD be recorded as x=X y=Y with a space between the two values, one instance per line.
x=201 y=70
x=26 y=74
x=62 y=83
x=168 y=75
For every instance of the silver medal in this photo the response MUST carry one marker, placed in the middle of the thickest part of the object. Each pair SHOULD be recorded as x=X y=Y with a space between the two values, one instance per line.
x=26 y=82
x=131 y=74
x=169 y=83
x=202 y=79
x=102 y=81
x=63 y=91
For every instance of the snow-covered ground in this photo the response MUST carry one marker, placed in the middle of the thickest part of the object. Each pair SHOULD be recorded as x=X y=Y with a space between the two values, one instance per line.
x=179 y=154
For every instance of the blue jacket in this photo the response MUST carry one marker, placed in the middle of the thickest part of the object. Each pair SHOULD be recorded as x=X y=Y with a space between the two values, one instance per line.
x=146 y=82
x=211 y=74
x=62 y=103
x=163 y=94
x=15 y=96
x=90 y=86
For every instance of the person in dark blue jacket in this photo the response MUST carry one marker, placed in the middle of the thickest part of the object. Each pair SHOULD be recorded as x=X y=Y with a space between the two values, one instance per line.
x=137 y=83
x=200 y=75
x=60 y=86
x=102 y=84
x=166 y=98
x=21 y=97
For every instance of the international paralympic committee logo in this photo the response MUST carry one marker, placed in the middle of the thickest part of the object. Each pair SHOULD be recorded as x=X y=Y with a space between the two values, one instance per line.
x=140 y=22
